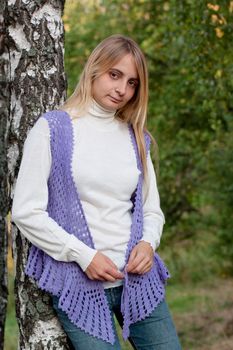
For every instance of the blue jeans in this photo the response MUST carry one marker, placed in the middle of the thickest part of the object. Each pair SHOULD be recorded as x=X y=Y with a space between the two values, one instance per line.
x=157 y=331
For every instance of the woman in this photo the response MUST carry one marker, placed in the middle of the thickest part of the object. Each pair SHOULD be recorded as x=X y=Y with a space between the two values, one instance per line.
x=87 y=199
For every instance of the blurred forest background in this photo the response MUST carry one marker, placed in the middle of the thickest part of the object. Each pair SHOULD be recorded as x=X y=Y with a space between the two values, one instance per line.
x=188 y=47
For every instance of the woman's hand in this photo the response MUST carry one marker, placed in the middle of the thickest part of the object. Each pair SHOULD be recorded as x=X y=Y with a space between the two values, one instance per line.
x=141 y=258
x=102 y=268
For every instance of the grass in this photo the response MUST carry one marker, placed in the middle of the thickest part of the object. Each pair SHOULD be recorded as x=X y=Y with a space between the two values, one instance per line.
x=202 y=313
x=201 y=302
x=11 y=328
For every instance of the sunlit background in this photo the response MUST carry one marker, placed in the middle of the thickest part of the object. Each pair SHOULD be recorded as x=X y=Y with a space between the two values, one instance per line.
x=188 y=47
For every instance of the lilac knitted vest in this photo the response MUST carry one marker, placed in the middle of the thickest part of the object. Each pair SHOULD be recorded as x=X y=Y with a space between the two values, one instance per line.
x=84 y=300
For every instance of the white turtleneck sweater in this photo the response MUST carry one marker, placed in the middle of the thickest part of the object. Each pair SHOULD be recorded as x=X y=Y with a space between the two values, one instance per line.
x=105 y=173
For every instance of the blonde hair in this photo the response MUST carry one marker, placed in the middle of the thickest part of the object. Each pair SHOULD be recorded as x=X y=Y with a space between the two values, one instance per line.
x=102 y=58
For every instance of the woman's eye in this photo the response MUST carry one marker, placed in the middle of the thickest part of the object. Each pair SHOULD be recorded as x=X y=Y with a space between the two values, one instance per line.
x=133 y=83
x=113 y=75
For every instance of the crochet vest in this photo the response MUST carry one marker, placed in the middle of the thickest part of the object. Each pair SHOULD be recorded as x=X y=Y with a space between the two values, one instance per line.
x=84 y=300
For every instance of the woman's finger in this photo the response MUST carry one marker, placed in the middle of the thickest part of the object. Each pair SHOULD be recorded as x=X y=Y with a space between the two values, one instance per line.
x=147 y=268
x=132 y=256
x=139 y=265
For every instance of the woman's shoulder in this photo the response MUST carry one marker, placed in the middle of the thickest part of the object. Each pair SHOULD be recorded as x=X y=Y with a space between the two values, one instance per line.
x=147 y=136
x=56 y=119
x=146 y=133
x=54 y=114
x=40 y=127
x=44 y=121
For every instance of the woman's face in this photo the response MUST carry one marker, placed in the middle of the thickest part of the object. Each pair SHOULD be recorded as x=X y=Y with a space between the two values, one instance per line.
x=113 y=89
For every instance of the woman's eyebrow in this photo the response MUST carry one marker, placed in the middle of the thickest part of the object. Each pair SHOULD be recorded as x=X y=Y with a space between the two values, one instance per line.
x=121 y=73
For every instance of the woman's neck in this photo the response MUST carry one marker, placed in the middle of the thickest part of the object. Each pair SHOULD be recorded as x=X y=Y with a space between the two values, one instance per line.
x=100 y=118
x=97 y=111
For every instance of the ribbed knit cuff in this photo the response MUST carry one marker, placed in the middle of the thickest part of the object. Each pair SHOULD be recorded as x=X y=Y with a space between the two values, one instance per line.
x=77 y=251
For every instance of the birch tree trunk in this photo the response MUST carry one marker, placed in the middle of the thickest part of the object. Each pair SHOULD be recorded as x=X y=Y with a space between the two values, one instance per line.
x=4 y=202
x=38 y=84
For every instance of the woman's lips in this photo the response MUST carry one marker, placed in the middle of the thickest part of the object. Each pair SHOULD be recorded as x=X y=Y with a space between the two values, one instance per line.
x=115 y=99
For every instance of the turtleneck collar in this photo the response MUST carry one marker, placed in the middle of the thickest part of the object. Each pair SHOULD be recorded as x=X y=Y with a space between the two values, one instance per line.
x=100 y=117
x=98 y=111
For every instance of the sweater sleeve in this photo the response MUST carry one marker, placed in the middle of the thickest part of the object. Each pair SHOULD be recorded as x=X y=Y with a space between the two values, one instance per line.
x=31 y=198
x=153 y=217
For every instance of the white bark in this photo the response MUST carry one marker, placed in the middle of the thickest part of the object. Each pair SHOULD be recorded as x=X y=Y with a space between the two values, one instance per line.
x=4 y=198
x=38 y=84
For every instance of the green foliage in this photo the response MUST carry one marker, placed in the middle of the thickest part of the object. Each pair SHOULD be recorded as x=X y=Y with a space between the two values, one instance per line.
x=221 y=185
x=189 y=54
x=11 y=327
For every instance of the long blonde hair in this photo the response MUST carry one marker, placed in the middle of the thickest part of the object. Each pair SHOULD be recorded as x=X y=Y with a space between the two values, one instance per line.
x=102 y=58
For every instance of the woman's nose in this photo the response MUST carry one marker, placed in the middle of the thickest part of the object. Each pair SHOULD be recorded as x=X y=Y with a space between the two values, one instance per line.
x=121 y=88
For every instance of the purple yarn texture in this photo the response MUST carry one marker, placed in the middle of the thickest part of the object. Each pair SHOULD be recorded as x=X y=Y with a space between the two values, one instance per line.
x=82 y=299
